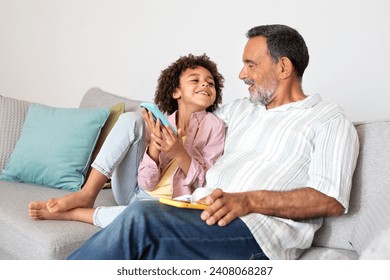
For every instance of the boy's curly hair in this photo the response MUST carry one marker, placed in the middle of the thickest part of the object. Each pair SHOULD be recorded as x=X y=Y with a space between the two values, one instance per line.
x=169 y=81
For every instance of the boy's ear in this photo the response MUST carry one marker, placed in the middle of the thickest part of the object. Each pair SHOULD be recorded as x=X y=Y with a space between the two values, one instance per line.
x=176 y=94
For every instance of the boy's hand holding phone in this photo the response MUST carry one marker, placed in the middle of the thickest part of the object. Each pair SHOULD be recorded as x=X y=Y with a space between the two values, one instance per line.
x=157 y=114
x=163 y=134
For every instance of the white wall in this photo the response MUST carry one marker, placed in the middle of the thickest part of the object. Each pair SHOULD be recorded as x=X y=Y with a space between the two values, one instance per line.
x=52 y=51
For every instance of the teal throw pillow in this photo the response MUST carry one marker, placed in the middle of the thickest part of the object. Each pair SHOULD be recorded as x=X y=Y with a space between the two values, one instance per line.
x=55 y=146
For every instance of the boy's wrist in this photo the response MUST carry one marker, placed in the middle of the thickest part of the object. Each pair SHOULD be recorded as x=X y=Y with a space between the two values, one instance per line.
x=153 y=153
x=184 y=161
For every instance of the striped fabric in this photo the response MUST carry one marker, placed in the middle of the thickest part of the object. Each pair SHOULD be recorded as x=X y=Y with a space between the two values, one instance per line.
x=305 y=143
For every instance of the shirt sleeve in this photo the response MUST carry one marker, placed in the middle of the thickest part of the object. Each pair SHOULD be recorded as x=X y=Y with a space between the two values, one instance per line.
x=148 y=173
x=334 y=156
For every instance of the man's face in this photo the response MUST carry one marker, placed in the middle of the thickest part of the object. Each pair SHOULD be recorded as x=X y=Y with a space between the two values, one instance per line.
x=259 y=71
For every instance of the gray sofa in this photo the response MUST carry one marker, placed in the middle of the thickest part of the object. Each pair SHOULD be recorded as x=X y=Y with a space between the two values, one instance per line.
x=362 y=233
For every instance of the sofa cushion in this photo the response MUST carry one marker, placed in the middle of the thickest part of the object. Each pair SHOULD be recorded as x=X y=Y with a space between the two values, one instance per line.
x=12 y=115
x=378 y=248
x=322 y=253
x=371 y=237
x=26 y=239
x=370 y=177
x=55 y=146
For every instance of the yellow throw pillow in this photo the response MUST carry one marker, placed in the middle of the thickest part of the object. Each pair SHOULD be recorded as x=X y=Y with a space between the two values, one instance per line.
x=115 y=112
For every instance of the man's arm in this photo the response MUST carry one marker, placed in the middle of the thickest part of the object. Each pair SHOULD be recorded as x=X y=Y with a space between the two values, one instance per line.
x=297 y=204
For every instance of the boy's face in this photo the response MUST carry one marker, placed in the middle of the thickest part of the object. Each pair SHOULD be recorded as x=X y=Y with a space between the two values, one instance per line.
x=197 y=89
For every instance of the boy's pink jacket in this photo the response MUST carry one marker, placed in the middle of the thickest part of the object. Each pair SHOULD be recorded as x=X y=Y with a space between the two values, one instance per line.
x=204 y=143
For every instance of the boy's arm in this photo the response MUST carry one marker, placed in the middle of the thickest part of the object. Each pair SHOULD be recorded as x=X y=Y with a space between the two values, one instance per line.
x=148 y=173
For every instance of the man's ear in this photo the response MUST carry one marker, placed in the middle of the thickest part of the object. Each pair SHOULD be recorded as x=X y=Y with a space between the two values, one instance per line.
x=285 y=68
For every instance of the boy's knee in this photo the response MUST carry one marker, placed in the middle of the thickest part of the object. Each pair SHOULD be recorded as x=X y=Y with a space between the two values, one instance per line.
x=133 y=117
x=133 y=121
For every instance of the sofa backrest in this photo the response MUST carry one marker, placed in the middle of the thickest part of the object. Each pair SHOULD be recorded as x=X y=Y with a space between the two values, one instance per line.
x=12 y=115
x=95 y=97
x=371 y=178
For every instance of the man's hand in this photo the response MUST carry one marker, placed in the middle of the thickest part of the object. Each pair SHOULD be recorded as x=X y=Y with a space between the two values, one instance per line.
x=303 y=203
x=224 y=207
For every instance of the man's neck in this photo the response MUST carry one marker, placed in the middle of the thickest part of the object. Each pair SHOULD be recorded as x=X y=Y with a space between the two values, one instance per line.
x=286 y=94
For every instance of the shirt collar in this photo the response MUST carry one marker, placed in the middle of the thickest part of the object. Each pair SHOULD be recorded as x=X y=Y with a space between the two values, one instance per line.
x=198 y=116
x=308 y=102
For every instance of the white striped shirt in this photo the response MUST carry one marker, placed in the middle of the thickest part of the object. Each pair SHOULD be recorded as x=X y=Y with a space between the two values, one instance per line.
x=308 y=143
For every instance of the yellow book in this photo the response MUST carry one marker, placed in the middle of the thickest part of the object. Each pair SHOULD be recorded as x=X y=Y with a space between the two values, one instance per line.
x=182 y=203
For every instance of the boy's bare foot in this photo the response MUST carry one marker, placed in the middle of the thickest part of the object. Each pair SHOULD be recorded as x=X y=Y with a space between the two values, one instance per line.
x=38 y=211
x=78 y=199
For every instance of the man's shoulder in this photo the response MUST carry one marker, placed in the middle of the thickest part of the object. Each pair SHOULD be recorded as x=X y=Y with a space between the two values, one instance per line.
x=329 y=114
x=329 y=104
x=213 y=120
x=327 y=109
x=234 y=109
x=240 y=101
x=236 y=104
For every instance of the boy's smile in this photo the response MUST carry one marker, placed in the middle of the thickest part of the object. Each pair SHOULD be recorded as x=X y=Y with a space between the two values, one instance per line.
x=197 y=90
x=204 y=93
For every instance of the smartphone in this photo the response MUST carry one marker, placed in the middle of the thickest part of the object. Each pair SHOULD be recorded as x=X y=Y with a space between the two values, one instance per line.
x=157 y=114
x=183 y=204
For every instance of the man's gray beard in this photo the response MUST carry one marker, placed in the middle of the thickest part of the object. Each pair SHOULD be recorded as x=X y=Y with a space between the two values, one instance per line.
x=261 y=97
